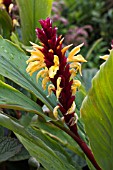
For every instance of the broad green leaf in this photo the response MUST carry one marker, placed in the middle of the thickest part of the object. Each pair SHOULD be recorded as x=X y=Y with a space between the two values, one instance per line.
x=58 y=135
x=8 y=148
x=97 y=114
x=13 y=66
x=5 y=23
x=22 y=155
x=49 y=161
x=14 y=99
x=36 y=147
x=36 y=10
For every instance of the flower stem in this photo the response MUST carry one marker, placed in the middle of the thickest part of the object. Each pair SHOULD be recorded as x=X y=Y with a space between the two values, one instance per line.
x=82 y=145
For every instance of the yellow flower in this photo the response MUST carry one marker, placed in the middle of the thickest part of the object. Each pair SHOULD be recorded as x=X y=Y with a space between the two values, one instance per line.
x=51 y=87
x=65 y=49
x=59 y=89
x=53 y=69
x=76 y=66
x=42 y=73
x=55 y=112
x=44 y=82
x=75 y=60
x=72 y=54
x=71 y=109
x=36 y=61
x=75 y=85
x=105 y=57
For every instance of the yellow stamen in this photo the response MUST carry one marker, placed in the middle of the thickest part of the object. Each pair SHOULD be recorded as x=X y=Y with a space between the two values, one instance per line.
x=74 y=51
x=53 y=69
x=105 y=57
x=51 y=87
x=65 y=49
x=72 y=108
x=55 y=112
x=59 y=89
x=44 y=82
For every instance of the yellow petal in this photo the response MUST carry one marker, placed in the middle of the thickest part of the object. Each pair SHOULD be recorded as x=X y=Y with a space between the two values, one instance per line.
x=51 y=87
x=105 y=57
x=56 y=60
x=37 y=53
x=61 y=40
x=52 y=71
x=65 y=49
x=72 y=108
x=73 y=73
x=55 y=112
x=33 y=58
x=36 y=46
x=1 y=1
x=42 y=73
x=51 y=51
x=77 y=67
x=31 y=65
x=73 y=120
x=77 y=58
x=15 y=23
x=59 y=89
x=74 y=51
x=44 y=82
x=75 y=85
x=10 y=7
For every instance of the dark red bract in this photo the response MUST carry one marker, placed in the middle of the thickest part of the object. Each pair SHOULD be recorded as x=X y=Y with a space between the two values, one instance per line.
x=51 y=42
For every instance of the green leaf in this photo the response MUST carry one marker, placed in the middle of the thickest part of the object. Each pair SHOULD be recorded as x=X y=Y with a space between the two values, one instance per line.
x=36 y=147
x=58 y=135
x=36 y=10
x=13 y=66
x=8 y=148
x=14 y=99
x=5 y=23
x=22 y=155
x=97 y=114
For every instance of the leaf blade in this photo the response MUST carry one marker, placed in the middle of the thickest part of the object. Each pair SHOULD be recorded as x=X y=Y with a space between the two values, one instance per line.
x=96 y=112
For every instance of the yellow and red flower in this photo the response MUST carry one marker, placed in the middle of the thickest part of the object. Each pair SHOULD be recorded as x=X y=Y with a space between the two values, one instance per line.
x=50 y=63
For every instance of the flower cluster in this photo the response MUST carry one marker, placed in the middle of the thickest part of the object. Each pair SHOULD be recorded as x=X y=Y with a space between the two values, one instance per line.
x=57 y=70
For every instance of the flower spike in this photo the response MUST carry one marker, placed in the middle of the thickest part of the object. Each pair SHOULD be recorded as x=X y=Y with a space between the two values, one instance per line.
x=56 y=70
